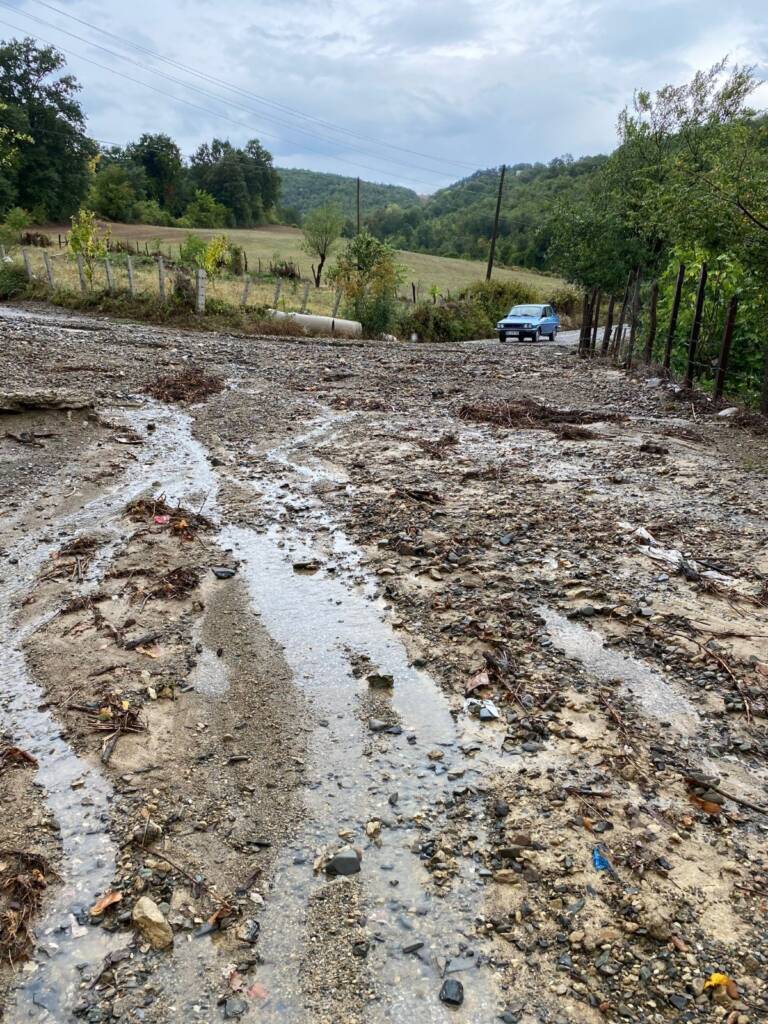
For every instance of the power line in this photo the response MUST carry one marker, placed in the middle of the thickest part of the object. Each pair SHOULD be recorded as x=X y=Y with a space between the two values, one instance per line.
x=214 y=96
x=196 y=106
x=251 y=95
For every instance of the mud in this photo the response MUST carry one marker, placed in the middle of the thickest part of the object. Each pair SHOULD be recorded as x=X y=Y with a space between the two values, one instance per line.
x=557 y=801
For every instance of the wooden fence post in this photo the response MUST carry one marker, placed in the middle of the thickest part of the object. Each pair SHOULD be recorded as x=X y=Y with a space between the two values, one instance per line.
x=27 y=264
x=413 y=289
x=200 y=278
x=673 y=319
x=81 y=273
x=764 y=394
x=693 y=344
x=586 y=324
x=595 y=321
x=278 y=289
x=131 y=288
x=336 y=303
x=725 y=348
x=634 y=322
x=608 y=325
x=246 y=289
x=304 y=298
x=48 y=270
x=161 y=276
x=616 y=346
x=652 y=319
x=2 y=253
x=110 y=279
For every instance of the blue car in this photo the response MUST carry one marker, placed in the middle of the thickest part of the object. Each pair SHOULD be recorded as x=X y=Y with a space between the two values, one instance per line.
x=529 y=321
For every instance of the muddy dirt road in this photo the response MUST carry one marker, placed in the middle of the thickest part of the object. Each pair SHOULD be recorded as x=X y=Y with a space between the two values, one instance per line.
x=372 y=683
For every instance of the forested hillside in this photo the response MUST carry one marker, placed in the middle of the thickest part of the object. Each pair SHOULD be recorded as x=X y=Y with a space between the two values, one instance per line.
x=458 y=220
x=303 y=191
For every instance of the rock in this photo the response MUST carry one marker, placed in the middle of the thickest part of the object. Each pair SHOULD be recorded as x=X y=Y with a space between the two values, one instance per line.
x=413 y=947
x=377 y=725
x=235 y=1007
x=678 y=1001
x=506 y=876
x=223 y=572
x=452 y=992
x=345 y=862
x=727 y=413
x=380 y=681
x=151 y=923
x=501 y=808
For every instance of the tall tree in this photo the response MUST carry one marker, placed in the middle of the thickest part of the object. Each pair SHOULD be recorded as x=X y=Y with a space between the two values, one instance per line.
x=50 y=173
x=322 y=227
x=161 y=159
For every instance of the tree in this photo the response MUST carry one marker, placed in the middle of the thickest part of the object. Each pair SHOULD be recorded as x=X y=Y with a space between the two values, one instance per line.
x=51 y=170
x=161 y=160
x=243 y=180
x=205 y=212
x=368 y=274
x=88 y=240
x=113 y=194
x=322 y=228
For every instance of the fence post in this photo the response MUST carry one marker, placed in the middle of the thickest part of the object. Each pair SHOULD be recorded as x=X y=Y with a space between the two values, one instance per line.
x=129 y=264
x=81 y=273
x=2 y=253
x=27 y=265
x=110 y=279
x=725 y=348
x=693 y=344
x=278 y=289
x=413 y=289
x=673 y=319
x=595 y=321
x=304 y=298
x=246 y=289
x=764 y=393
x=48 y=270
x=336 y=303
x=586 y=324
x=200 y=278
x=608 y=325
x=616 y=346
x=161 y=276
x=651 y=336
x=634 y=323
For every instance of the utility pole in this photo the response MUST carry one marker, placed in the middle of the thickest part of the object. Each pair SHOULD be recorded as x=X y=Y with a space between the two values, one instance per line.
x=358 y=206
x=492 y=253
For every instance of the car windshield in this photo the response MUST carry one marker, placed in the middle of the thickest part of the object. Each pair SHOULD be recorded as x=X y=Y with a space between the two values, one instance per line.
x=526 y=311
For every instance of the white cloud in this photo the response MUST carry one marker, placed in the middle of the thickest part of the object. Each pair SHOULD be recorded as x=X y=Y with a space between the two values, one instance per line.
x=468 y=84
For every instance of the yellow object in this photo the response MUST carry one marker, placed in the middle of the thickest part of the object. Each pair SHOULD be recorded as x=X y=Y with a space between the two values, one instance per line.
x=716 y=979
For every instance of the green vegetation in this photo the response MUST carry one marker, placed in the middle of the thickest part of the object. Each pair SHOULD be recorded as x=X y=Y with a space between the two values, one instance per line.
x=368 y=274
x=302 y=191
x=322 y=228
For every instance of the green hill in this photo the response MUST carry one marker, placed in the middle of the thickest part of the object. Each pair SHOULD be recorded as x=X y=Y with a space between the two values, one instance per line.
x=458 y=220
x=304 y=190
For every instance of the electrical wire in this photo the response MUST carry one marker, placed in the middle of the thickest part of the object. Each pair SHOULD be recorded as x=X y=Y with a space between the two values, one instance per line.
x=251 y=95
x=196 y=106
x=215 y=97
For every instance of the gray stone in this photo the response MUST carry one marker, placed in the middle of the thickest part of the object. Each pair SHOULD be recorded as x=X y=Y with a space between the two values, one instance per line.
x=345 y=862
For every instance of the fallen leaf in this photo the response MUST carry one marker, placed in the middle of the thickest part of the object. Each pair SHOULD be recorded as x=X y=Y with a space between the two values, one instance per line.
x=107 y=900
x=257 y=991
x=477 y=682
x=236 y=981
x=731 y=989
x=705 y=805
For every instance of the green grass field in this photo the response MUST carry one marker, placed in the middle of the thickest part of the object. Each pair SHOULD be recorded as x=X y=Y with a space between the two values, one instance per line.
x=449 y=275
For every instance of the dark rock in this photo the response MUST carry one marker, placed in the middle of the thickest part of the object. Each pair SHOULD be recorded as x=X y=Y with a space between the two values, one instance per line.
x=413 y=947
x=235 y=1007
x=345 y=862
x=452 y=992
x=223 y=572
x=679 y=1002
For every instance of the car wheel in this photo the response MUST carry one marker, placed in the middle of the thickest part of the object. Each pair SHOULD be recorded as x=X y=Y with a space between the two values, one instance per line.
x=502 y=337
x=553 y=335
x=537 y=334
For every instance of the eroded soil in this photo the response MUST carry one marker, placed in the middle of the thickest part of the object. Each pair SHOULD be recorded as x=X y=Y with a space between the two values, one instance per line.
x=372 y=599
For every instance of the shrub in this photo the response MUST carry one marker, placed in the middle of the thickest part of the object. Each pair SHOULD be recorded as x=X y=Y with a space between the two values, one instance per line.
x=16 y=220
x=88 y=239
x=36 y=238
x=497 y=297
x=192 y=250
x=236 y=260
x=566 y=301
x=149 y=211
x=13 y=280
x=454 y=321
x=368 y=274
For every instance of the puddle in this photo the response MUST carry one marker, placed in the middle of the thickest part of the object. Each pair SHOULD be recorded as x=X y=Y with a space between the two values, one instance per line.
x=50 y=982
x=655 y=696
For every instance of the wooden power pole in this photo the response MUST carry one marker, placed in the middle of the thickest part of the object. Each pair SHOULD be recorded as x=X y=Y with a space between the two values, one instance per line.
x=492 y=253
x=358 y=206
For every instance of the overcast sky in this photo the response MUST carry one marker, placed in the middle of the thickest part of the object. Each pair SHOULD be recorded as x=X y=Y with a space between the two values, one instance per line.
x=436 y=88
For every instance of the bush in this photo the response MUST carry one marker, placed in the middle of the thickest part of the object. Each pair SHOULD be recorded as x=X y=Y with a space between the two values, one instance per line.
x=454 y=321
x=36 y=238
x=192 y=251
x=496 y=298
x=149 y=211
x=13 y=280
x=236 y=260
x=567 y=301
x=16 y=220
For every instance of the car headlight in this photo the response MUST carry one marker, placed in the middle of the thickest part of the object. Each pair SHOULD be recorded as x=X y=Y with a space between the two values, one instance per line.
x=529 y=325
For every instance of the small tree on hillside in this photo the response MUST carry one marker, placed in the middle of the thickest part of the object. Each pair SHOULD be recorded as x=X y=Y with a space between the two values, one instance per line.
x=86 y=239
x=368 y=274
x=322 y=227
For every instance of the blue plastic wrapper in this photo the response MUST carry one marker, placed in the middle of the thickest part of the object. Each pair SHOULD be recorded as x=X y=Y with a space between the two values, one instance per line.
x=600 y=861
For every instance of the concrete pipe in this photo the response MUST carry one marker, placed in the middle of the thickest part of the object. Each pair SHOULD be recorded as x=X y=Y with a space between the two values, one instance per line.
x=323 y=324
